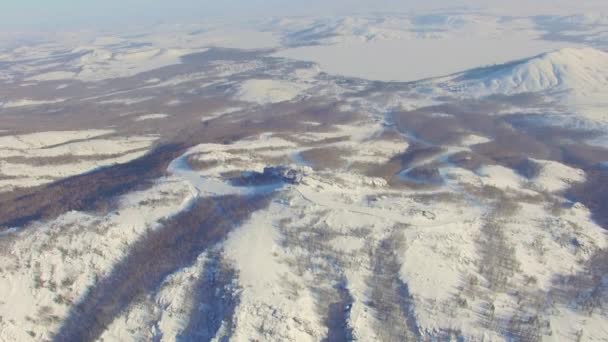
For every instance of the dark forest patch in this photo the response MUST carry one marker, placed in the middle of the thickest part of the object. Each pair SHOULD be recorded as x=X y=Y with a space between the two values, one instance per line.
x=326 y=157
x=593 y=194
x=90 y=191
x=215 y=298
x=162 y=252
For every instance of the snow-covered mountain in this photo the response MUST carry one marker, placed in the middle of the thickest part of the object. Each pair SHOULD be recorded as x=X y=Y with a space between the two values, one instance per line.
x=338 y=30
x=578 y=70
x=576 y=77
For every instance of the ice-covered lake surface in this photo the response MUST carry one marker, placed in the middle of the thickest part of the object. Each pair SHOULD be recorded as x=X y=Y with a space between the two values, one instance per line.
x=415 y=59
x=270 y=181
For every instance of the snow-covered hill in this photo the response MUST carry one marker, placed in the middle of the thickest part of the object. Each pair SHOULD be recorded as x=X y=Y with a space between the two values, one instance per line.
x=580 y=70
x=576 y=77
x=337 y=30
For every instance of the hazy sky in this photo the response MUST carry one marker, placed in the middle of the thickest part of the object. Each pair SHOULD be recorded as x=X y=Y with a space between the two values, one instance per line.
x=61 y=13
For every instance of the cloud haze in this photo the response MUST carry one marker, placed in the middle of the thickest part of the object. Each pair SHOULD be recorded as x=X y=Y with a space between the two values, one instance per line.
x=82 y=13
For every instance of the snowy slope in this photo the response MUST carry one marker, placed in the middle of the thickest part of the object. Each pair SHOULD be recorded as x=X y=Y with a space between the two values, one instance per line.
x=582 y=70
x=576 y=77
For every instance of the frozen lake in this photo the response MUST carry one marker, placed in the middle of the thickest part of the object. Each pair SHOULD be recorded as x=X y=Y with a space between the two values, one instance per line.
x=415 y=59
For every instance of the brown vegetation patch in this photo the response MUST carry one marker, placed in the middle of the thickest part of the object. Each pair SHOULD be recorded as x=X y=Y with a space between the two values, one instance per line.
x=437 y=197
x=89 y=191
x=194 y=162
x=584 y=156
x=425 y=174
x=388 y=171
x=326 y=157
x=470 y=161
x=328 y=141
x=417 y=153
x=390 y=297
x=429 y=127
x=215 y=298
x=65 y=159
x=514 y=145
x=390 y=134
x=586 y=290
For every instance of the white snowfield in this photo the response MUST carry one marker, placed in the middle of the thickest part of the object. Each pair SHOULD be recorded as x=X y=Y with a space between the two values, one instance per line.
x=556 y=176
x=98 y=63
x=126 y=101
x=24 y=158
x=269 y=91
x=155 y=116
x=53 y=76
x=27 y=102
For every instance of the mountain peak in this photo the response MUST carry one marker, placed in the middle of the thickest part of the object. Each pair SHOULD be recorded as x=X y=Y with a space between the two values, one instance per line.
x=567 y=69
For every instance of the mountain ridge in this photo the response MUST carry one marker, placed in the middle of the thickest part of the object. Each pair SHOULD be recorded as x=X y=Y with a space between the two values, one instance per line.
x=567 y=69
